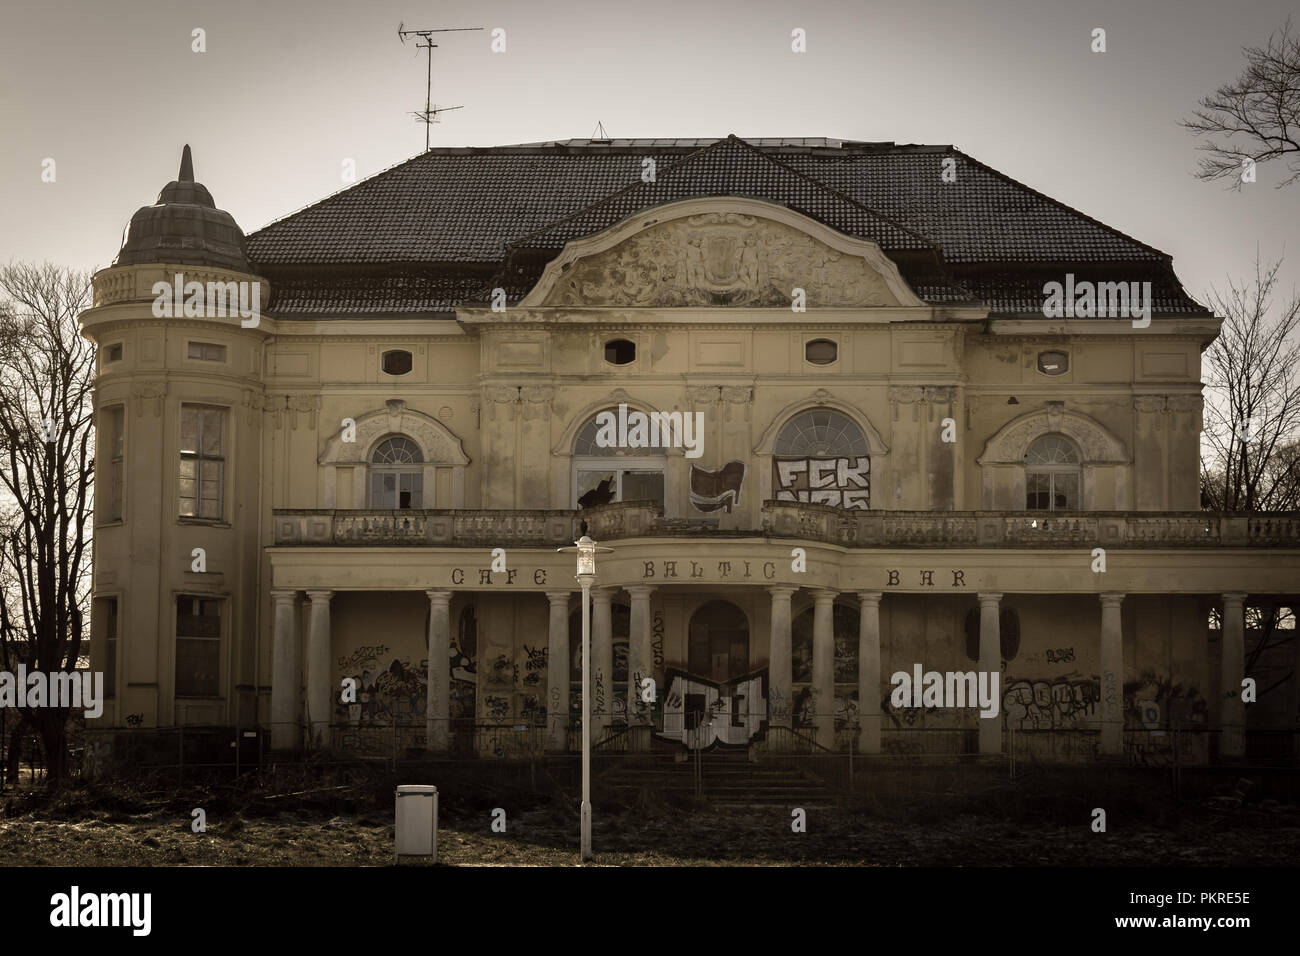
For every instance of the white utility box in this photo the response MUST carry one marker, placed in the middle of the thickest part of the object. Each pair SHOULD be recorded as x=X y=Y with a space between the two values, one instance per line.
x=416 y=832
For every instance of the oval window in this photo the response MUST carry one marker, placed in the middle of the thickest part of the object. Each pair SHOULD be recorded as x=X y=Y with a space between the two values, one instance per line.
x=821 y=351
x=1053 y=363
x=620 y=352
x=397 y=362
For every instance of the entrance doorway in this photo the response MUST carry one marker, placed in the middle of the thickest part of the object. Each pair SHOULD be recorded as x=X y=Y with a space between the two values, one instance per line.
x=719 y=642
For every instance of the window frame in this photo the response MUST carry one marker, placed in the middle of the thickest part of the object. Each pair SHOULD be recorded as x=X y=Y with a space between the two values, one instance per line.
x=108 y=357
x=199 y=457
x=606 y=464
x=115 y=463
x=223 y=603
x=383 y=361
x=1052 y=471
x=412 y=469
x=222 y=351
x=813 y=341
x=604 y=351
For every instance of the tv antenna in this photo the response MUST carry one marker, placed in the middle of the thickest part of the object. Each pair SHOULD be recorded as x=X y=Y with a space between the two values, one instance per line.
x=430 y=113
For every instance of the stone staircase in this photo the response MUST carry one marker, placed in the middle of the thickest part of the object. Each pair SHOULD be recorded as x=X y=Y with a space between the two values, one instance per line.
x=730 y=780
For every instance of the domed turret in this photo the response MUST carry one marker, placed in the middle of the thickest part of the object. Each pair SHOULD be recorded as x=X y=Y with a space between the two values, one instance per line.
x=184 y=226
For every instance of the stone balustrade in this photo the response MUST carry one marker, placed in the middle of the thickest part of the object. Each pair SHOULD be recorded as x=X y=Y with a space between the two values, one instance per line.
x=783 y=519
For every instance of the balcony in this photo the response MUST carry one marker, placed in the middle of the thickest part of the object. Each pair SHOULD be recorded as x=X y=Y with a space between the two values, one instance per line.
x=784 y=519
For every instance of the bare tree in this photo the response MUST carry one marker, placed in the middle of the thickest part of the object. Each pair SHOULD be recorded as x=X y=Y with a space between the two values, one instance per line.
x=47 y=374
x=1252 y=409
x=1262 y=108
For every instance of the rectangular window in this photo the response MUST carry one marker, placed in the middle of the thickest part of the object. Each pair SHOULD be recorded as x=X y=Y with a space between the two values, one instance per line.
x=396 y=490
x=202 y=463
x=622 y=485
x=207 y=352
x=198 y=646
x=113 y=353
x=114 y=436
x=110 y=653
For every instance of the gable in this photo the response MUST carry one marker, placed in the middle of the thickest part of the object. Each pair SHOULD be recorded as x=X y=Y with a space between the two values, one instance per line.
x=721 y=252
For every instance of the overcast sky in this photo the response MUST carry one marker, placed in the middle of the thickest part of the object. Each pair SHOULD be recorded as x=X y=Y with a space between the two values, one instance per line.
x=288 y=89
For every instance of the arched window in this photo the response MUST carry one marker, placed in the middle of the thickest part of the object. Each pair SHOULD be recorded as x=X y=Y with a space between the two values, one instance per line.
x=396 y=475
x=821 y=456
x=1052 y=475
x=622 y=461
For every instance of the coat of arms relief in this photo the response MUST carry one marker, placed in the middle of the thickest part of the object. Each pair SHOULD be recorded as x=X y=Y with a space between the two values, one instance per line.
x=727 y=259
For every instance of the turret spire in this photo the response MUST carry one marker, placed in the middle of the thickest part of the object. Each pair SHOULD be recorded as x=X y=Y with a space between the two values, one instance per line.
x=186 y=174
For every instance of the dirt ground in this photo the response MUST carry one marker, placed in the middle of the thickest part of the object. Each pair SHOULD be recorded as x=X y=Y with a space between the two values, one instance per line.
x=80 y=831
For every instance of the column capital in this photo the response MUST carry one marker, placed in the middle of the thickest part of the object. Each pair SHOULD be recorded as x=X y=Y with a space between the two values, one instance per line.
x=988 y=598
x=284 y=595
x=870 y=597
x=779 y=591
x=321 y=595
x=639 y=590
x=439 y=596
x=602 y=595
x=1233 y=597
x=824 y=595
x=1111 y=598
x=559 y=597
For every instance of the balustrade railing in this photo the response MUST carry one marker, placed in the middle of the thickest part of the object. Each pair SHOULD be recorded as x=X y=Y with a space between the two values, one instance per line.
x=787 y=519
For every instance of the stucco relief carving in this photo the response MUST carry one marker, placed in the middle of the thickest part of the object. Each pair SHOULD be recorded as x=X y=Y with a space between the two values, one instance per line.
x=501 y=399
x=537 y=401
x=305 y=405
x=737 y=395
x=1186 y=410
x=1149 y=403
x=149 y=395
x=1097 y=444
x=720 y=258
x=440 y=445
x=699 y=395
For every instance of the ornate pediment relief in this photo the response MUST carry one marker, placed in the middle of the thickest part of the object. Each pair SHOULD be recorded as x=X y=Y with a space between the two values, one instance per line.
x=705 y=253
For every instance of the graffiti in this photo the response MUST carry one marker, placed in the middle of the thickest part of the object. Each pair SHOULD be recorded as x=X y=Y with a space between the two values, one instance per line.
x=134 y=720
x=700 y=713
x=363 y=658
x=846 y=711
x=531 y=709
x=901 y=716
x=1060 y=704
x=496 y=707
x=534 y=663
x=97 y=758
x=717 y=490
x=395 y=693
x=846 y=658
x=598 y=694
x=464 y=682
x=1152 y=702
x=502 y=672
x=838 y=482
x=657 y=639
x=1062 y=655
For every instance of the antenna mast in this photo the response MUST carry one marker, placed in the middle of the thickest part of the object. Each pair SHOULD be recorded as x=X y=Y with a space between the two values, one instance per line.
x=430 y=112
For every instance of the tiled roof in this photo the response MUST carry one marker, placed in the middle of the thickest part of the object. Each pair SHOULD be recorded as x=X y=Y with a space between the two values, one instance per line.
x=461 y=212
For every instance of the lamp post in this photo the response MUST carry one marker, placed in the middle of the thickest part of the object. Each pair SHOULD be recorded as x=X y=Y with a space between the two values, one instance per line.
x=586 y=549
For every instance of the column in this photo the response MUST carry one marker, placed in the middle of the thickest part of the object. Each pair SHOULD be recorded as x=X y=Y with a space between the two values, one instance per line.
x=1112 y=675
x=284 y=672
x=319 y=683
x=780 y=699
x=823 y=669
x=869 y=672
x=602 y=663
x=1232 y=670
x=437 y=713
x=557 y=673
x=640 y=665
x=990 y=733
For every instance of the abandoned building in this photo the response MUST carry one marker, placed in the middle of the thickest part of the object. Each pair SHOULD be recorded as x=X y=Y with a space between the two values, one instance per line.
x=330 y=514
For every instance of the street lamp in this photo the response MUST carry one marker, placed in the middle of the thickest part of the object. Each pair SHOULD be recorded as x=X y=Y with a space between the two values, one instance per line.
x=586 y=549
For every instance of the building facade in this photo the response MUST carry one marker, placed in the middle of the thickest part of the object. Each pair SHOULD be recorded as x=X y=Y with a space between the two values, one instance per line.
x=804 y=389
